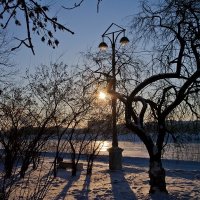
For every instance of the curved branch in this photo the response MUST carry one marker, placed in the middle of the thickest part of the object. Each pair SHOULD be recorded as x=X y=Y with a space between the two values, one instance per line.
x=150 y=80
x=181 y=94
x=75 y=5
x=143 y=110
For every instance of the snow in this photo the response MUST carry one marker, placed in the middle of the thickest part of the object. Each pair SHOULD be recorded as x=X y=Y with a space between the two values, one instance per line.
x=131 y=183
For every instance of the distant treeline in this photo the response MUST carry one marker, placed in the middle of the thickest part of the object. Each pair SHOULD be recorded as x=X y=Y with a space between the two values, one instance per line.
x=30 y=130
x=174 y=126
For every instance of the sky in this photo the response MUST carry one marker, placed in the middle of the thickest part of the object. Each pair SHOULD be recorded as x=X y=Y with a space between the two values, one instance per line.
x=88 y=26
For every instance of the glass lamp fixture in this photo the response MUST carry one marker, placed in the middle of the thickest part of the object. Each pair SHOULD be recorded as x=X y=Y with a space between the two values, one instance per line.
x=124 y=41
x=103 y=46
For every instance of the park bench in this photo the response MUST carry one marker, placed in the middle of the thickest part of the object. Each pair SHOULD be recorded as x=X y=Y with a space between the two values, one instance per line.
x=68 y=165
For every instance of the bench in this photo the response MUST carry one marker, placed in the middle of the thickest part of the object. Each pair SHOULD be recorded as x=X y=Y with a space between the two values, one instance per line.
x=68 y=165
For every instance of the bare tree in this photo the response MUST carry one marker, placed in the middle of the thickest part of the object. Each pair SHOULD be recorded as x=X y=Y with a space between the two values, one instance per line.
x=73 y=95
x=98 y=131
x=173 y=28
x=14 y=122
x=79 y=108
x=6 y=66
x=167 y=86
x=26 y=119
x=38 y=20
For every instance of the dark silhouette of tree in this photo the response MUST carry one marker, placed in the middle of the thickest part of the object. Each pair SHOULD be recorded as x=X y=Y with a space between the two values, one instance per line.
x=165 y=88
x=173 y=86
x=14 y=132
x=56 y=103
x=26 y=118
x=37 y=20
x=6 y=66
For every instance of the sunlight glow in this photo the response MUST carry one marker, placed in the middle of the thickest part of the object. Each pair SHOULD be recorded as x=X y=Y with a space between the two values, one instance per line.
x=105 y=145
x=102 y=95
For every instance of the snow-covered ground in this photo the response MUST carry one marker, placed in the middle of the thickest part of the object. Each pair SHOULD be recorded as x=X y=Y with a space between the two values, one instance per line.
x=132 y=183
x=183 y=182
x=182 y=167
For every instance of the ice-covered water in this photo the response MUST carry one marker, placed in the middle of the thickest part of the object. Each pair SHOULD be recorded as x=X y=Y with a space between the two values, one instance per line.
x=132 y=147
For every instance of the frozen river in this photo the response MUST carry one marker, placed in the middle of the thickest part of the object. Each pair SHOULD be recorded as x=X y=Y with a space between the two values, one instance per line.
x=189 y=151
x=134 y=148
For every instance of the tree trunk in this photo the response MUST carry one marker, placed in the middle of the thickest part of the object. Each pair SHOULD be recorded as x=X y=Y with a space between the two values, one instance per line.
x=74 y=164
x=156 y=175
x=74 y=169
x=90 y=164
x=57 y=160
x=9 y=162
x=24 y=167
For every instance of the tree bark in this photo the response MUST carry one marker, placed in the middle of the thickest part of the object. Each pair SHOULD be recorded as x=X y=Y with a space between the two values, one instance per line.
x=74 y=169
x=156 y=175
x=90 y=165
x=9 y=162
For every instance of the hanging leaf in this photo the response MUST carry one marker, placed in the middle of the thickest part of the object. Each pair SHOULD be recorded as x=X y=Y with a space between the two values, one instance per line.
x=56 y=42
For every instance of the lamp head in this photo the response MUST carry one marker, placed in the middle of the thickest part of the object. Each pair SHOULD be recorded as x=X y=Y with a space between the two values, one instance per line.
x=124 y=41
x=103 y=46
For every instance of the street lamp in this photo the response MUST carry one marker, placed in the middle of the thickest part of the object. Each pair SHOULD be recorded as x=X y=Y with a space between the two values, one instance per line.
x=115 y=153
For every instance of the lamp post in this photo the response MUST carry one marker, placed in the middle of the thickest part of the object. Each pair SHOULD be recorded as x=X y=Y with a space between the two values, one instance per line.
x=115 y=153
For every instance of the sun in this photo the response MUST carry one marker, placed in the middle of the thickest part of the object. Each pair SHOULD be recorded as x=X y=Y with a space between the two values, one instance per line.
x=102 y=95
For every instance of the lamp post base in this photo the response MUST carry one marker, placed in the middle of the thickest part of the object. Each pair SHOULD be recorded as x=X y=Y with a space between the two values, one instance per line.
x=115 y=158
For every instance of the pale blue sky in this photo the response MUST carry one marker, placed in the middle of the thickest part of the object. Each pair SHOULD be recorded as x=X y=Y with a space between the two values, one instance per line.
x=88 y=26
